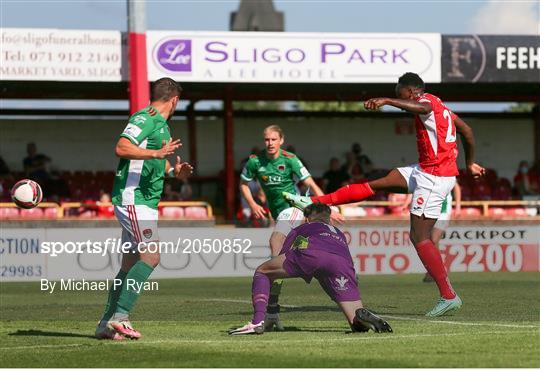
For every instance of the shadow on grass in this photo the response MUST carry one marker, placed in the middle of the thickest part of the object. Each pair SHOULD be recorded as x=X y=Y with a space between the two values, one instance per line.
x=289 y=329
x=41 y=333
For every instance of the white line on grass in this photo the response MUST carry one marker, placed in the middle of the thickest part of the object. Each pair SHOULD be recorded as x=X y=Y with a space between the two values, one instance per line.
x=399 y=317
x=280 y=340
x=461 y=322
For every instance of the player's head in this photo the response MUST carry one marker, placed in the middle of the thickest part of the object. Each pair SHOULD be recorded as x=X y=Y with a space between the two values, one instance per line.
x=273 y=139
x=166 y=91
x=409 y=86
x=317 y=212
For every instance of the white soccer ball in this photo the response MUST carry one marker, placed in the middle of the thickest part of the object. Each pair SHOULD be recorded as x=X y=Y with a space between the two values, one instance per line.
x=26 y=194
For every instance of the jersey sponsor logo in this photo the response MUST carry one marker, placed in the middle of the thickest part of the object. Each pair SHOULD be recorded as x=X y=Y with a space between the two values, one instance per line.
x=147 y=233
x=272 y=180
x=132 y=130
x=300 y=242
x=342 y=283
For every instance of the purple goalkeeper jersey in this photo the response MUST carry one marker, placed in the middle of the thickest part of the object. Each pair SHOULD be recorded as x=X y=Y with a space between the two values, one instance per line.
x=317 y=236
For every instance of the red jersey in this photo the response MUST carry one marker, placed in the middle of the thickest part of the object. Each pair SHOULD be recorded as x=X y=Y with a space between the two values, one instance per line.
x=436 y=138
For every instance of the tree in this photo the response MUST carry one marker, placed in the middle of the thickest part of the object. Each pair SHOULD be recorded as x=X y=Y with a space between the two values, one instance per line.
x=333 y=106
x=521 y=107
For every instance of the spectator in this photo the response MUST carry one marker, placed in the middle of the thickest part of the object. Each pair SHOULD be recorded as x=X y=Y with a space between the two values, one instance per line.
x=352 y=168
x=363 y=160
x=36 y=165
x=334 y=178
x=523 y=182
x=186 y=192
x=103 y=208
x=169 y=194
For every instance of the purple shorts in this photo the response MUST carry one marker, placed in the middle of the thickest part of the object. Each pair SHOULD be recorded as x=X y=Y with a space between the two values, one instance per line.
x=335 y=273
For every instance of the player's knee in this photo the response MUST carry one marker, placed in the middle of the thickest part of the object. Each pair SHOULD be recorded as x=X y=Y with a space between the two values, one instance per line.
x=152 y=259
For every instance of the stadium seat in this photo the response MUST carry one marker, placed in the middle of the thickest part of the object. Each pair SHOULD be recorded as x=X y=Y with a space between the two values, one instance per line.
x=9 y=212
x=515 y=212
x=195 y=212
x=172 y=212
x=374 y=211
x=354 y=211
x=31 y=213
x=471 y=211
x=50 y=213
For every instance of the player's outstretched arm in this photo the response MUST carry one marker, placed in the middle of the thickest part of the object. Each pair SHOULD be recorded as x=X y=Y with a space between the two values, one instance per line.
x=466 y=133
x=412 y=106
x=312 y=185
x=126 y=149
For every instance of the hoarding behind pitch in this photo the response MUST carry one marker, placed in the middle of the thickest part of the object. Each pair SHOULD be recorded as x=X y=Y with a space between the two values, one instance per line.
x=480 y=58
x=292 y=57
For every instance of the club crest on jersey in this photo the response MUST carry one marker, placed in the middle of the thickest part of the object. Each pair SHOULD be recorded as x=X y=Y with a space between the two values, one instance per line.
x=342 y=282
x=420 y=200
x=147 y=233
x=281 y=167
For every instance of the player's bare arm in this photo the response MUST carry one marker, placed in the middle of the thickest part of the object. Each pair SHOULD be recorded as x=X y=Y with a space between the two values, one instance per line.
x=312 y=185
x=257 y=210
x=411 y=106
x=466 y=133
x=126 y=149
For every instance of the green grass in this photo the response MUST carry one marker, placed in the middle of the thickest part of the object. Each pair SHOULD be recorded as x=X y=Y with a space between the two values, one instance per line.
x=185 y=324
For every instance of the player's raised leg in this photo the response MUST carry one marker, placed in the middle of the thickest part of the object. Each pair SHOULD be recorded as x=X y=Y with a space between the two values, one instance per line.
x=393 y=182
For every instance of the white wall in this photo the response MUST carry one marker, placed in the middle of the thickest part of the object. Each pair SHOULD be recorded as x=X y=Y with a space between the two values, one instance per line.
x=89 y=145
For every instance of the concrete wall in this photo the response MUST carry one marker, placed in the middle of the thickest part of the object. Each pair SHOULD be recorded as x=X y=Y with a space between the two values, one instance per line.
x=89 y=145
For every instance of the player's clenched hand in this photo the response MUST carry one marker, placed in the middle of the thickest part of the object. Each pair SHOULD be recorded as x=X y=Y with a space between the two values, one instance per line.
x=168 y=148
x=476 y=170
x=375 y=103
x=336 y=217
x=258 y=211
x=182 y=169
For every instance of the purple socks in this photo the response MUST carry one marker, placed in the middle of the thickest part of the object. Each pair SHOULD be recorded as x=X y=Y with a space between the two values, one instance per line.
x=260 y=290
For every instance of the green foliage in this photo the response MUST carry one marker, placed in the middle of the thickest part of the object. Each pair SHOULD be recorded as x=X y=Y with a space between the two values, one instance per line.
x=333 y=106
x=257 y=105
x=521 y=107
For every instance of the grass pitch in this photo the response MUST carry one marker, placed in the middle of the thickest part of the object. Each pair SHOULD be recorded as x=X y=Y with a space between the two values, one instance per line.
x=185 y=324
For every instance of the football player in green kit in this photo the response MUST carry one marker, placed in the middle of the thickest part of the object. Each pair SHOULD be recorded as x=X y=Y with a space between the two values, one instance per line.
x=277 y=170
x=142 y=148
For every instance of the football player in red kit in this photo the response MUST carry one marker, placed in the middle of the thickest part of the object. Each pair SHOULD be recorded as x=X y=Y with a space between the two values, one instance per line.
x=429 y=181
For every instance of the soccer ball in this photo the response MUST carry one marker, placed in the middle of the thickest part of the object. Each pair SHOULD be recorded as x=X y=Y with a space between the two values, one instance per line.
x=26 y=194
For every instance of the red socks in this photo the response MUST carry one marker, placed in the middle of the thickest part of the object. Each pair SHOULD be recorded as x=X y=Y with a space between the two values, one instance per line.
x=347 y=194
x=432 y=260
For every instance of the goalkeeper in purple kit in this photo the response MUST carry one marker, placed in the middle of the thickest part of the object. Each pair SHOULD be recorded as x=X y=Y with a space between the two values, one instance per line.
x=317 y=250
